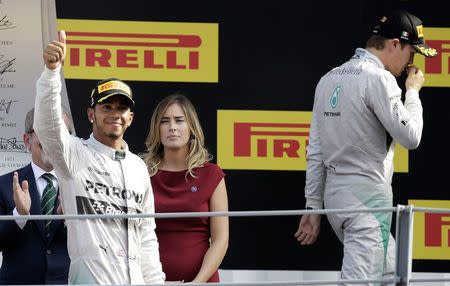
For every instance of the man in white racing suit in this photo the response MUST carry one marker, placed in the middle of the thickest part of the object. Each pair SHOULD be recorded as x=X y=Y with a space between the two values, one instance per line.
x=358 y=116
x=99 y=176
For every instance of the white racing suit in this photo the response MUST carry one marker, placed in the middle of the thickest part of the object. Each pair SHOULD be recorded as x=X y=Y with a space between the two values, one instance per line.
x=93 y=179
x=358 y=116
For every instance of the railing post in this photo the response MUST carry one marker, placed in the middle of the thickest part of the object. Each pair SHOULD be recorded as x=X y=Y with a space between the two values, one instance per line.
x=403 y=248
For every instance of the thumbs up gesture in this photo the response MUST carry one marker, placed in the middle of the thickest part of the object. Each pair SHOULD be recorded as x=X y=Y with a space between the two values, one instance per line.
x=55 y=52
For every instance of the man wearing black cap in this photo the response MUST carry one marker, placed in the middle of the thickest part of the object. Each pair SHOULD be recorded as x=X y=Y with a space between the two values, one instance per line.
x=358 y=116
x=99 y=175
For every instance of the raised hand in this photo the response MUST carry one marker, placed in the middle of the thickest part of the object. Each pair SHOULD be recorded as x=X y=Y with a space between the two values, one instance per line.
x=55 y=52
x=415 y=79
x=21 y=195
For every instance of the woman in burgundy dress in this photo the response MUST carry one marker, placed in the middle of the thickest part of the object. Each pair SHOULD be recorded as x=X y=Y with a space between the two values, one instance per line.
x=183 y=180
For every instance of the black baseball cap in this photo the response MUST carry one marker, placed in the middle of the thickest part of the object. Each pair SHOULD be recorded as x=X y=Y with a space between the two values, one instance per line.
x=406 y=27
x=109 y=87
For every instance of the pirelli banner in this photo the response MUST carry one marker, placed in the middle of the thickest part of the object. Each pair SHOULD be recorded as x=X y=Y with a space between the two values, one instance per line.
x=270 y=140
x=147 y=51
x=431 y=231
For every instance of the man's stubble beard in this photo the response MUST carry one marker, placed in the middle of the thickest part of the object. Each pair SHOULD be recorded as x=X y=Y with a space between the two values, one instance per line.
x=113 y=136
x=109 y=135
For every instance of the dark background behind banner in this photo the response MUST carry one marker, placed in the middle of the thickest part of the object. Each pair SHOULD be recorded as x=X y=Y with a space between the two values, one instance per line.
x=271 y=55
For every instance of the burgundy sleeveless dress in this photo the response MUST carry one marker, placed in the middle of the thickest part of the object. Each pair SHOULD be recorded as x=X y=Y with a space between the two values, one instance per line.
x=183 y=242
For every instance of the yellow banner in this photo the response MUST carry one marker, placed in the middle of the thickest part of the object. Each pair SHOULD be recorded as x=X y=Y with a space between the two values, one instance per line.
x=270 y=140
x=147 y=51
x=431 y=231
x=436 y=69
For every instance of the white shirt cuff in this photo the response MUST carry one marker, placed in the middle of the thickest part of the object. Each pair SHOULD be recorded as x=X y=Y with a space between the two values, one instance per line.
x=20 y=222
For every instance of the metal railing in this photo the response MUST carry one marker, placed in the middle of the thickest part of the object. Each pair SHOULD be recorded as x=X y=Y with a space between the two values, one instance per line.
x=403 y=237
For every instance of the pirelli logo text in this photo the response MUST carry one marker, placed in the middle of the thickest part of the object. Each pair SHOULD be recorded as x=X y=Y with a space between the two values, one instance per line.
x=431 y=231
x=262 y=140
x=285 y=139
x=435 y=223
x=436 y=69
x=269 y=140
x=113 y=85
x=151 y=51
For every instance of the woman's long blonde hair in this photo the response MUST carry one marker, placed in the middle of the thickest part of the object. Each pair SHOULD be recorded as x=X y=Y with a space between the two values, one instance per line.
x=197 y=154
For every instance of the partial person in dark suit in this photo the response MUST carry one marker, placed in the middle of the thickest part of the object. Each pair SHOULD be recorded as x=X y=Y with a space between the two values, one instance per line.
x=33 y=253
